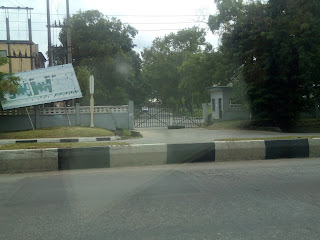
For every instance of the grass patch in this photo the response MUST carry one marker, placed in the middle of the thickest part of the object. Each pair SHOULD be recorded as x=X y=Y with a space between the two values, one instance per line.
x=268 y=138
x=315 y=122
x=308 y=125
x=305 y=125
x=127 y=134
x=58 y=132
x=56 y=145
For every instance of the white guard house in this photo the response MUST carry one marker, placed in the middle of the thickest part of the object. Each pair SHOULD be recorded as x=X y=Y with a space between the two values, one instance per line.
x=222 y=106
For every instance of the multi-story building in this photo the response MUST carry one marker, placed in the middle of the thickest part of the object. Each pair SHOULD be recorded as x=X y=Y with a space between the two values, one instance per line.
x=21 y=57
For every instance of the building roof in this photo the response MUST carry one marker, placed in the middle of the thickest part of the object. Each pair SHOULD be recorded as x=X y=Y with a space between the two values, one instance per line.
x=16 y=41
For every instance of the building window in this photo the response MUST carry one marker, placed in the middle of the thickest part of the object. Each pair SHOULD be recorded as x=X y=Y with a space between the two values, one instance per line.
x=3 y=53
x=213 y=105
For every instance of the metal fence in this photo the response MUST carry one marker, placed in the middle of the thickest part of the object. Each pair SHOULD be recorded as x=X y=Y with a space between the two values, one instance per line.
x=164 y=116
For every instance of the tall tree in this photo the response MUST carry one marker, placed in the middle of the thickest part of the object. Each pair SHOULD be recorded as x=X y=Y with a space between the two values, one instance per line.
x=105 y=47
x=176 y=66
x=277 y=46
x=202 y=70
x=83 y=74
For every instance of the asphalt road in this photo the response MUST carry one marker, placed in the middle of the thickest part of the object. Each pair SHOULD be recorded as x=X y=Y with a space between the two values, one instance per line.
x=278 y=199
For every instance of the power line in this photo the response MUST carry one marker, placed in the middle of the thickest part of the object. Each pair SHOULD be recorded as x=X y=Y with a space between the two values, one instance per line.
x=173 y=15
x=138 y=22
x=131 y=15
x=19 y=3
x=12 y=3
x=13 y=30
x=156 y=30
x=162 y=22
x=20 y=21
x=141 y=30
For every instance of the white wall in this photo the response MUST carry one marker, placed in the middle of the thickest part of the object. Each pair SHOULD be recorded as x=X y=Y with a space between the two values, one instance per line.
x=227 y=114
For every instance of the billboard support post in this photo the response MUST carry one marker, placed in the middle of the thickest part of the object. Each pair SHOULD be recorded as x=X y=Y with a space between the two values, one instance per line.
x=29 y=118
x=65 y=107
x=91 y=108
x=91 y=81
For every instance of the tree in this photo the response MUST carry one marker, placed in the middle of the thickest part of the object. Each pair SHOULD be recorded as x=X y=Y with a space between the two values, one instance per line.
x=177 y=67
x=8 y=82
x=104 y=47
x=277 y=45
x=202 y=70
x=83 y=75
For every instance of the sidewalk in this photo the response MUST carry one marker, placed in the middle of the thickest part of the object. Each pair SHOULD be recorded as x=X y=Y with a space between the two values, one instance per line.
x=60 y=140
x=200 y=135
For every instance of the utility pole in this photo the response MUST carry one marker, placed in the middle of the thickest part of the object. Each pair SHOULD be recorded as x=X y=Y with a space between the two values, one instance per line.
x=8 y=41
x=49 y=34
x=30 y=39
x=69 y=49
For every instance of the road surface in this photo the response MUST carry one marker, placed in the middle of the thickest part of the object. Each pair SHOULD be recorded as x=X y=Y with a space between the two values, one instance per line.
x=274 y=199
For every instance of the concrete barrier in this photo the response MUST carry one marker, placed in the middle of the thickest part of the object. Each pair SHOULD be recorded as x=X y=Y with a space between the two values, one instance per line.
x=293 y=148
x=154 y=154
x=138 y=155
x=239 y=150
x=82 y=158
x=314 y=147
x=190 y=152
x=34 y=160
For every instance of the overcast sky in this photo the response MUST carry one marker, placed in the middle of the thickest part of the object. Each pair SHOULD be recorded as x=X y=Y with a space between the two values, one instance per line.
x=150 y=18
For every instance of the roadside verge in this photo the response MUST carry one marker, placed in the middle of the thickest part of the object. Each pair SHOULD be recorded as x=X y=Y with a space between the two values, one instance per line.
x=12 y=161
x=60 y=140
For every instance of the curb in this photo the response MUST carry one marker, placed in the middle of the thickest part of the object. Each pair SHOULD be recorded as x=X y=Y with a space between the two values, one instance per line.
x=154 y=154
x=60 y=140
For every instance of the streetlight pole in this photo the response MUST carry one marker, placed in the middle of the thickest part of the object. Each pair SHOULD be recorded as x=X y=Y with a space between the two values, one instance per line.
x=91 y=79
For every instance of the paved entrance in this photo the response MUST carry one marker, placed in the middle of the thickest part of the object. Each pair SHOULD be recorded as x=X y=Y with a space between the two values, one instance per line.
x=198 y=135
x=163 y=116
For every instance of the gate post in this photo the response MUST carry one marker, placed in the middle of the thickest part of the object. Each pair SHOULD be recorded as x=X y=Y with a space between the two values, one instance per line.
x=131 y=115
x=171 y=119
x=205 y=113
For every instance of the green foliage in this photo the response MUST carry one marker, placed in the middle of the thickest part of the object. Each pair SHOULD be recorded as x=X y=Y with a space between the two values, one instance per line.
x=83 y=76
x=104 y=47
x=57 y=132
x=125 y=133
x=179 y=67
x=276 y=44
x=240 y=90
x=8 y=82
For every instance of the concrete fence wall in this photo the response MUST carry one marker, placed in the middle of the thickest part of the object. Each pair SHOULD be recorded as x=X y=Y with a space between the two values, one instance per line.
x=108 y=117
x=230 y=114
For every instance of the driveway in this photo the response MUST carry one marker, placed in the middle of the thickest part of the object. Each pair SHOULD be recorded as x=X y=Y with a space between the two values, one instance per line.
x=195 y=135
